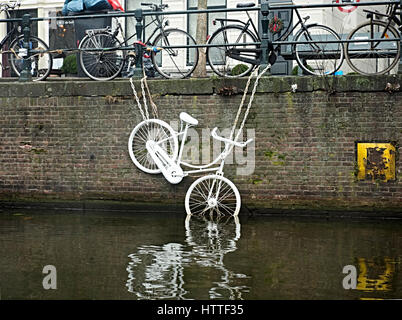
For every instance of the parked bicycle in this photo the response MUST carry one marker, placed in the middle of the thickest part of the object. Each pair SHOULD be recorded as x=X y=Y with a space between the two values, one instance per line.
x=102 y=56
x=237 y=52
x=12 y=47
x=375 y=57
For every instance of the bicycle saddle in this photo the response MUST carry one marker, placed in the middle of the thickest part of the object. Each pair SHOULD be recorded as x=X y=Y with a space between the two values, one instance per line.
x=245 y=5
x=189 y=119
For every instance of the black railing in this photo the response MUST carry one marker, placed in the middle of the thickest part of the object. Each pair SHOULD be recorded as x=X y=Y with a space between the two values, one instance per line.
x=139 y=14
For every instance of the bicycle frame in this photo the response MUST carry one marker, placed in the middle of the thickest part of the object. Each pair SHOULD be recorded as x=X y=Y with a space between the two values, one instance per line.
x=201 y=168
x=171 y=167
x=235 y=52
x=390 y=17
x=155 y=20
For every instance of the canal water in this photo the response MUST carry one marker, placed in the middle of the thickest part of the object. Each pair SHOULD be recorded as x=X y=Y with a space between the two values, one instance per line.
x=115 y=255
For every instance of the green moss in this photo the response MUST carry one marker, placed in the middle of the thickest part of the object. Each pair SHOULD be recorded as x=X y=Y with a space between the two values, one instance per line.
x=69 y=64
x=257 y=181
x=239 y=69
x=289 y=100
x=194 y=105
x=269 y=153
x=362 y=82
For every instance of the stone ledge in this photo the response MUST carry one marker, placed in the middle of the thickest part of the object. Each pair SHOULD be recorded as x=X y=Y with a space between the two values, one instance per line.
x=205 y=86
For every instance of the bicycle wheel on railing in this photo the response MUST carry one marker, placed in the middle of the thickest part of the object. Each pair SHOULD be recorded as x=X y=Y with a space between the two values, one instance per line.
x=376 y=57
x=175 y=62
x=229 y=61
x=213 y=195
x=319 y=58
x=101 y=64
x=41 y=62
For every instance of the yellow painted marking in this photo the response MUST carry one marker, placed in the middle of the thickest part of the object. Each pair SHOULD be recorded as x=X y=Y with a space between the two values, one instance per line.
x=376 y=161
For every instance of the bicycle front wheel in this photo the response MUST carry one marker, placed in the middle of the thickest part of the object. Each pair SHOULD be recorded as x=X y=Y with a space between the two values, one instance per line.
x=175 y=62
x=40 y=61
x=319 y=58
x=155 y=130
x=376 y=57
x=99 y=64
x=213 y=195
x=232 y=61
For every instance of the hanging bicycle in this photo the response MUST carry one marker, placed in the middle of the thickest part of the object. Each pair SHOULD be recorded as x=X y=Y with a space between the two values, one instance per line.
x=153 y=147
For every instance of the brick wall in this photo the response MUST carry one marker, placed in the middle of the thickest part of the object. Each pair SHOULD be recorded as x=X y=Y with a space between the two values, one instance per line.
x=63 y=141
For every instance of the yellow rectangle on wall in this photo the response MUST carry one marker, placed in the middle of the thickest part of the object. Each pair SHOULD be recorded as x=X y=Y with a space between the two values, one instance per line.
x=376 y=161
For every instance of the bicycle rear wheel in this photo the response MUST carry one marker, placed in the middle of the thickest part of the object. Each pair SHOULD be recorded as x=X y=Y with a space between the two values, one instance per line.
x=376 y=57
x=155 y=130
x=213 y=195
x=99 y=64
x=225 y=60
x=41 y=63
x=175 y=62
x=319 y=58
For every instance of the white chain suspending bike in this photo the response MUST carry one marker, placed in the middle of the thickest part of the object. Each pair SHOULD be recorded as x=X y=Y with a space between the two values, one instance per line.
x=154 y=148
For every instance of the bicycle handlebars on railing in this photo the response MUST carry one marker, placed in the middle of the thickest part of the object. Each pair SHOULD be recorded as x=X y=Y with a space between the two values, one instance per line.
x=10 y=5
x=155 y=6
x=237 y=144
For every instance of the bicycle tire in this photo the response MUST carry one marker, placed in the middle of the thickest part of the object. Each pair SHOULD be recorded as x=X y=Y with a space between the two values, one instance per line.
x=101 y=65
x=317 y=64
x=217 y=57
x=213 y=194
x=363 y=65
x=41 y=63
x=152 y=129
x=174 y=63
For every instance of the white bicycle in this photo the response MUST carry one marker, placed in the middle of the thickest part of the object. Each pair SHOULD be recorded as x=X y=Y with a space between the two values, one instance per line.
x=154 y=148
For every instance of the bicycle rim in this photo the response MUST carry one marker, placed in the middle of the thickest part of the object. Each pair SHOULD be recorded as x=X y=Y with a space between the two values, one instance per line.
x=175 y=62
x=40 y=63
x=213 y=195
x=155 y=130
x=319 y=58
x=370 y=58
x=222 y=58
x=101 y=65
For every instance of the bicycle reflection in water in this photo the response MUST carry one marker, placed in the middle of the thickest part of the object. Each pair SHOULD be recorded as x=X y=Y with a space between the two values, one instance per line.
x=157 y=272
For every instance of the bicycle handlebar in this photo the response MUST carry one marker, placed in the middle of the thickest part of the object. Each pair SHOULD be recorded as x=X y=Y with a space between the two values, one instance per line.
x=155 y=6
x=237 y=144
x=12 y=4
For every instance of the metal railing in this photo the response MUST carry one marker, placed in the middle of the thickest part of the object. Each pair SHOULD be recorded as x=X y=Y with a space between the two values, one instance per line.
x=139 y=14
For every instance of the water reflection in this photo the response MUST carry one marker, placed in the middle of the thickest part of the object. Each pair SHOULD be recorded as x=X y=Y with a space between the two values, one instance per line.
x=157 y=271
x=376 y=275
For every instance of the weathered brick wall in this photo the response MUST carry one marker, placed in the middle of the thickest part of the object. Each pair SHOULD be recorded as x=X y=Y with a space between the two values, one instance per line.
x=63 y=141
